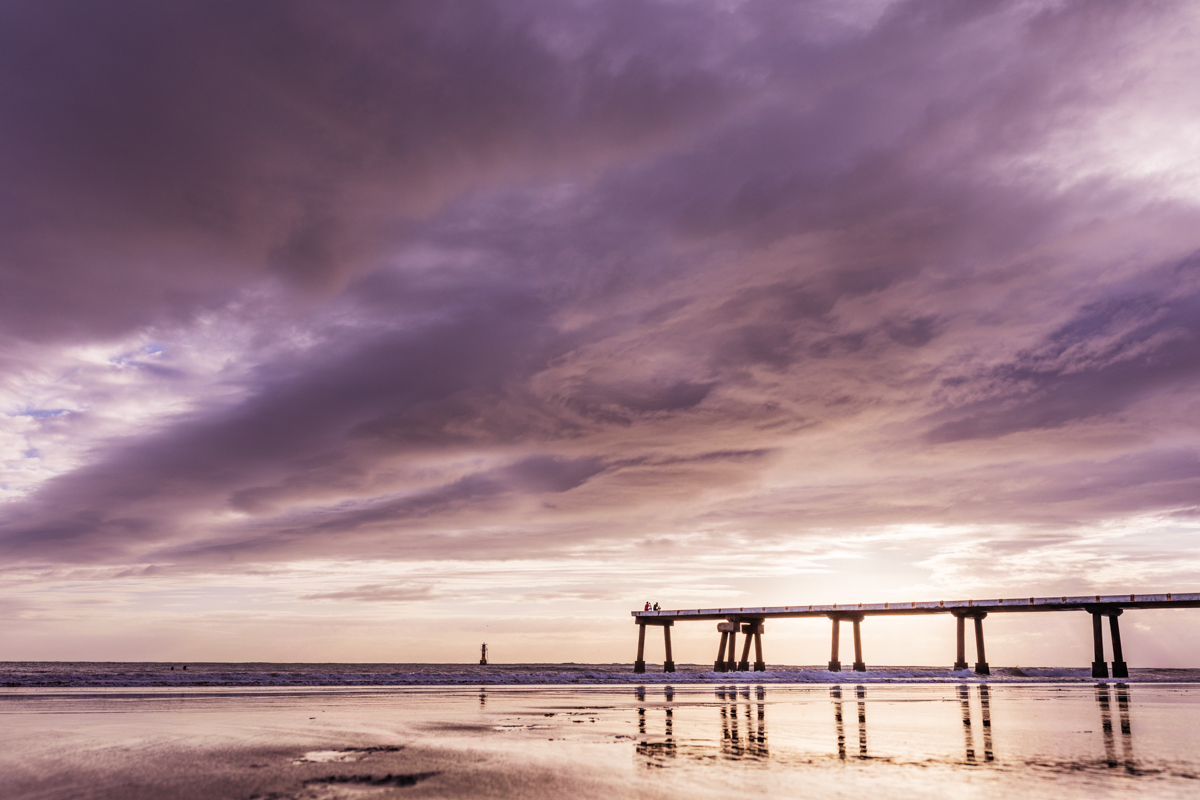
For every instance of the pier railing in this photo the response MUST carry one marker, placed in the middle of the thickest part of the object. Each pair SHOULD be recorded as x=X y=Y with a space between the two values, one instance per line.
x=749 y=621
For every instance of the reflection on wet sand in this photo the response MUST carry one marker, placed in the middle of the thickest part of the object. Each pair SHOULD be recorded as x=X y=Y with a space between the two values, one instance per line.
x=985 y=705
x=1104 y=701
x=860 y=692
x=741 y=713
x=734 y=744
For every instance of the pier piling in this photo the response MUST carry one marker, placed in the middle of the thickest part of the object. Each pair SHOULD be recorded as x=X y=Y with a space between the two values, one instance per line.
x=981 y=665
x=960 y=623
x=744 y=664
x=960 y=661
x=668 y=663
x=834 y=664
x=1119 y=668
x=859 y=666
x=1099 y=667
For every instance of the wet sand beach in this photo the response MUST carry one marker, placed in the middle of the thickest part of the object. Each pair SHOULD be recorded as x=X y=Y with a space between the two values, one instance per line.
x=699 y=741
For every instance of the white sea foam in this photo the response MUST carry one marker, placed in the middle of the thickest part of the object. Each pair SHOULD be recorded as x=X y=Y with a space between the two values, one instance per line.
x=108 y=674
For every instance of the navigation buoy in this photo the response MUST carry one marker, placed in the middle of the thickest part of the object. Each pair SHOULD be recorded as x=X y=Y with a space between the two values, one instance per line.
x=483 y=654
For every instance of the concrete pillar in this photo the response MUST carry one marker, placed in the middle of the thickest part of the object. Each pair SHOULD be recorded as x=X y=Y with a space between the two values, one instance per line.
x=1119 y=668
x=834 y=664
x=961 y=623
x=859 y=666
x=981 y=665
x=640 y=664
x=719 y=664
x=1099 y=668
x=759 y=664
x=730 y=659
x=669 y=664
x=744 y=664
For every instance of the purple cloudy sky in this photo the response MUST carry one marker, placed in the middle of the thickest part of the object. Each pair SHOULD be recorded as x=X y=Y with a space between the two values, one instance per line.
x=368 y=331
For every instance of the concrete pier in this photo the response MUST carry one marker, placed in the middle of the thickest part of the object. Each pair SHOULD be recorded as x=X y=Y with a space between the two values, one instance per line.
x=749 y=622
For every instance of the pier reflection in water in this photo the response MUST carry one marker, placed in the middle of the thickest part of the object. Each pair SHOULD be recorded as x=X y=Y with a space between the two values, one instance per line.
x=735 y=726
x=743 y=728
x=985 y=719
x=753 y=744
x=860 y=693
x=1104 y=698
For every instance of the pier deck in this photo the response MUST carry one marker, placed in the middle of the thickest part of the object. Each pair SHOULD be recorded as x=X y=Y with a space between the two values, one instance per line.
x=749 y=621
x=1077 y=603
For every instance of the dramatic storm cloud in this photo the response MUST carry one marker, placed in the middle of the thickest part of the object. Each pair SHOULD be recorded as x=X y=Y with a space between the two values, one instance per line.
x=502 y=317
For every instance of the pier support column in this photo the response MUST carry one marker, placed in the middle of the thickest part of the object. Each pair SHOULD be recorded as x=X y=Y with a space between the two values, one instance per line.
x=834 y=664
x=981 y=665
x=960 y=623
x=640 y=664
x=1099 y=667
x=859 y=666
x=744 y=664
x=730 y=659
x=753 y=631
x=719 y=664
x=669 y=664
x=1119 y=668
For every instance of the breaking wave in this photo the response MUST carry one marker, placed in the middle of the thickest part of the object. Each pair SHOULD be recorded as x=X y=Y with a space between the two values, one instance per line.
x=132 y=675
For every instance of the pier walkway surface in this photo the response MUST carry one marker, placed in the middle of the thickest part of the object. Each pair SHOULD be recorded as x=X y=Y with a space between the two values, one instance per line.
x=749 y=621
